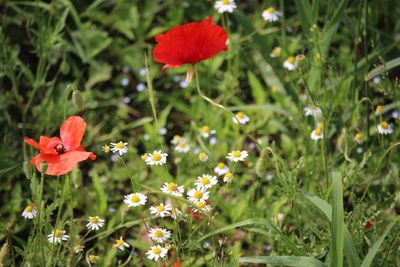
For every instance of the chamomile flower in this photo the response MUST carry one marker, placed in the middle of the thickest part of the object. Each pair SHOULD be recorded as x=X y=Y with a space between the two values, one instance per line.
x=176 y=139
x=205 y=131
x=175 y=213
x=241 y=118
x=182 y=147
x=276 y=52
x=237 y=155
x=378 y=110
x=221 y=169
x=206 y=181
x=173 y=188
x=202 y=206
x=197 y=194
x=106 y=148
x=120 y=244
x=228 y=177
x=95 y=223
x=271 y=14
x=136 y=199
x=359 y=138
x=29 y=212
x=156 y=158
x=313 y=110
x=120 y=147
x=161 y=210
x=57 y=236
x=317 y=134
x=384 y=128
x=156 y=252
x=93 y=258
x=225 y=6
x=78 y=248
x=203 y=156
x=290 y=64
x=159 y=235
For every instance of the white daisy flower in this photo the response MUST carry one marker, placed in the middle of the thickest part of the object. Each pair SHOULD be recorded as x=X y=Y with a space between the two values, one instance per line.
x=276 y=52
x=317 y=134
x=197 y=194
x=182 y=147
x=202 y=206
x=206 y=181
x=359 y=138
x=156 y=158
x=120 y=244
x=203 y=156
x=95 y=223
x=120 y=147
x=384 y=128
x=205 y=131
x=93 y=258
x=221 y=169
x=161 y=210
x=225 y=6
x=228 y=177
x=173 y=188
x=177 y=139
x=57 y=236
x=312 y=110
x=124 y=81
x=271 y=14
x=156 y=252
x=78 y=248
x=136 y=199
x=29 y=212
x=183 y=84
x=241 y=118
x=159 y=235
x=290 y=64
x=237 y=155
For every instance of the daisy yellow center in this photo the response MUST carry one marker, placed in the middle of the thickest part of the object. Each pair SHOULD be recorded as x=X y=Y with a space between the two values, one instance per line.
x=276 y=52
x=182 y=144
x=359 y=136
x=384 y=125
x=228 y=175
x=205 y=129
x=240 y=115
x=78 y=247
x=119 y=242
x=201 y=204
x=236 y=154
x=271 y=10
x=291 y=60
x=57 y=233
x=378 y=109
x=29 y=208
x=172 y=187
x=120 y=145
x=160 y=208
x=197 y=194
x=156 y=157
x=94 y=220
x=317 y=132
x=93 y=258
x=221 y=165
x=176 y=137
x=202 y=155
x=205 y=180
x=320 y=125
x=135 y=199
x=157 y=250
x=158 y=233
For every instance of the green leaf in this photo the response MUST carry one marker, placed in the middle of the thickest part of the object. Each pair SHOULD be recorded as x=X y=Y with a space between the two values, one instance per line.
x=98 y=72
x=337 y=220
x=304 y=9
x=383 y=68
x=284 y=260
x=256 y=88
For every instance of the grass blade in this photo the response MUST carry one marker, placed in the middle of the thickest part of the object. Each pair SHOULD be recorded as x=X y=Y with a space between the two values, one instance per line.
x=284 y=260
x=383 y=68
x=337 y=225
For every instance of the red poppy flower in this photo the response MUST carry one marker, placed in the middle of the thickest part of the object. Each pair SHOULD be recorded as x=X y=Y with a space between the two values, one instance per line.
x=190 y=43
x=62 y=154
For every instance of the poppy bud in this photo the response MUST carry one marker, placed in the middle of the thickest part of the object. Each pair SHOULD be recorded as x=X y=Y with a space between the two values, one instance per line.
x=4 y=254
x=77 y=99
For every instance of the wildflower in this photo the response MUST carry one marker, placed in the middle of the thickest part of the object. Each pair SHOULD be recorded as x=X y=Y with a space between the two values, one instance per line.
x=395 y=114
x=271 y=14
x=182 y=147
x=384 y=128
x=57 y=236
x=124 y=81
x=359 y=138
x=162 y=131
x=206 y=181
x=183 y=84
x=241 y=118
x=175 y=213
x=313 y=110
x=62 y=154
x=29 y=212
x=156 y=158
x=197 y=194
x=203 y=156
x=192 y=37
x=120 y=147
x=106 y=148
x=95 y=223
x=360 y=150
x=140 y=87
x=78 y=248
x=206 y=132
x=173 y=188
x=144 y=156
x=317 y=134
x=237 y=155
x=93 y=258
x=213 y=140
x=120 y=244
x=156 y=252
x=225 y=6
x=146 y=137
x=221 y=168
x=378 y=110
x=177 y=139
x=290 y=64
x=228 y=177
x=161 y=210
x=159 y=235
x=276 y=52
x=136 y=199
x=143 y=71
x=202 y=206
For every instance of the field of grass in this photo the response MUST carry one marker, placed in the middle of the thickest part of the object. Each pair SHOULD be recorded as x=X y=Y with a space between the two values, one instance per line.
x=313 y=174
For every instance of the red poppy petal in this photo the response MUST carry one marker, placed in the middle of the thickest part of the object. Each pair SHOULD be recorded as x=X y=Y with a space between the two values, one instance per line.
x=72 y=131
x=45 y=145
x=64 y=163
x=31 y=142
x=37 y=161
